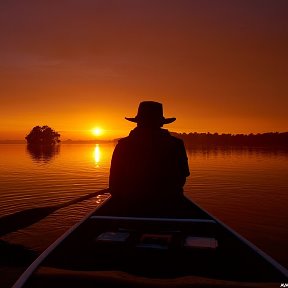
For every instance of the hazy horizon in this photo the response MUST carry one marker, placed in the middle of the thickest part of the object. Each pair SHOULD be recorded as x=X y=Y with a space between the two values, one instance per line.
x=102 y=139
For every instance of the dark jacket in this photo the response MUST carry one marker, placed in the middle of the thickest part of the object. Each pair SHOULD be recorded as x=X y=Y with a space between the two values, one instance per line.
x=148 y=165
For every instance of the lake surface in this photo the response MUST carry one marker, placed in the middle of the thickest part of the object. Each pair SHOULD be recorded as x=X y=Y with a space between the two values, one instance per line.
x=247 y=189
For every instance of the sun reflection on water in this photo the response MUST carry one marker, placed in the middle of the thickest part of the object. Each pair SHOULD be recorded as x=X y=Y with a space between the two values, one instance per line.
x=97 y=155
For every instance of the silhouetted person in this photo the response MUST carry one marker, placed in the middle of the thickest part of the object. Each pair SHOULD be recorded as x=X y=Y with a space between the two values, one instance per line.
x=149 y=167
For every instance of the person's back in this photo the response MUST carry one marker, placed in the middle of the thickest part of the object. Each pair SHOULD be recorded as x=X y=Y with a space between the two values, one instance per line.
x=149 y=167
x=149 y=164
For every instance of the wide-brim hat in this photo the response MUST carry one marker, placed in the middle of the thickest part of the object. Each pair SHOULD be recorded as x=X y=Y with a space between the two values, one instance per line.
x=150 y=112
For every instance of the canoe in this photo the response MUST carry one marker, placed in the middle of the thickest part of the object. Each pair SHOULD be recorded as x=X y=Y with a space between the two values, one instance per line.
x=190 y=249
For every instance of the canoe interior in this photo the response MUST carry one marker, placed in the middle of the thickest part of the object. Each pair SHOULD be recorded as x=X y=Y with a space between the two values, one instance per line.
x=148 y=249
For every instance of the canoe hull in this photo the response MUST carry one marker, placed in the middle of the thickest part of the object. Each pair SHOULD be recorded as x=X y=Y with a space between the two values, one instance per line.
x=152 y=250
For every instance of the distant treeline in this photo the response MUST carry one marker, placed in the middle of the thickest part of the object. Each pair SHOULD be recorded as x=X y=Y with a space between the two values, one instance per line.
x=272 y=139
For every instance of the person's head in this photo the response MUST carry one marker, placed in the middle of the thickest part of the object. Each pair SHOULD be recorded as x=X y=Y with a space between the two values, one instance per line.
x=150 y=115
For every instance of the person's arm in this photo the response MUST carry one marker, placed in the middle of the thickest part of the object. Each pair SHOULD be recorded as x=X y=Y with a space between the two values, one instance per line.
x=183 y=163
x=115 y=170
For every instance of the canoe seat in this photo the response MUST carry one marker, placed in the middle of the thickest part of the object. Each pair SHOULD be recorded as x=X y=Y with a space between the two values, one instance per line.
x=154 y=219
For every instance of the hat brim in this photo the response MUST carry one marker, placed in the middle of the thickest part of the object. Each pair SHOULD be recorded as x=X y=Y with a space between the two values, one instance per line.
x=164 y=120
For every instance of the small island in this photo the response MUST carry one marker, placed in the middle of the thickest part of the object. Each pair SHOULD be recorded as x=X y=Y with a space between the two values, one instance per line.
x=42 y=136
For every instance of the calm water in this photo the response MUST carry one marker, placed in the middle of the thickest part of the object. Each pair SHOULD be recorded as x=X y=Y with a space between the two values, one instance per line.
x=246 y=189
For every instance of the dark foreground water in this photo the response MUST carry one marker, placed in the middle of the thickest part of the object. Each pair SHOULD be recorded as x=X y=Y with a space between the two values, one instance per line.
x=245 y=188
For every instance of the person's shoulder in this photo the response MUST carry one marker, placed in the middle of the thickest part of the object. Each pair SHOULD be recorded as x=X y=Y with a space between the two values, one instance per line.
x=122 y=141
x=173 y=139
x=120 y=146
x=178 y=141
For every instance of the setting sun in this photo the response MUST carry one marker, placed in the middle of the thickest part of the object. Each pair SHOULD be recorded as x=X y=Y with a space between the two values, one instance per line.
x=97 y=131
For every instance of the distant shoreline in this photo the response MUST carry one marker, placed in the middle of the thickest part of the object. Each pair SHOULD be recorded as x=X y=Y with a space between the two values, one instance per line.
x=269 y=139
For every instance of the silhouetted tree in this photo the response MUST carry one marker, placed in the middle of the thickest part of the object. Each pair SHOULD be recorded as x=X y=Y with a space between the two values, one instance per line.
x=42 y=136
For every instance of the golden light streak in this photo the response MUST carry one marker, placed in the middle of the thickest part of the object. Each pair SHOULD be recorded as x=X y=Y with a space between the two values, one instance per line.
x=97 y=154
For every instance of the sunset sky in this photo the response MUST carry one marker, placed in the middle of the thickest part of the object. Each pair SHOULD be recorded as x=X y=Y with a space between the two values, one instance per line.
x=75 y=65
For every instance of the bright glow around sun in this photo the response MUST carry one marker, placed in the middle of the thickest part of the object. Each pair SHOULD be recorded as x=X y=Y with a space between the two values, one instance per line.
x=97 y=131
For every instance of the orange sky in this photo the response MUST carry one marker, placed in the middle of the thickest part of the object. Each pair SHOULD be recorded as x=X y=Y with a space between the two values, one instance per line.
x=217 y=66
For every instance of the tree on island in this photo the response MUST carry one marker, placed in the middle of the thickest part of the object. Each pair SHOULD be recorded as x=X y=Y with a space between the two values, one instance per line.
x=42 y=136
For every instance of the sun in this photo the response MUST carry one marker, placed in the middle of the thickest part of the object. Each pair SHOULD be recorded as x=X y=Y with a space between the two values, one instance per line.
x=97 y=131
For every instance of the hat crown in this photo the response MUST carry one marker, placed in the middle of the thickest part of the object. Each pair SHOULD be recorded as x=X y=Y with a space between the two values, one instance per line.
x=150 y=110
